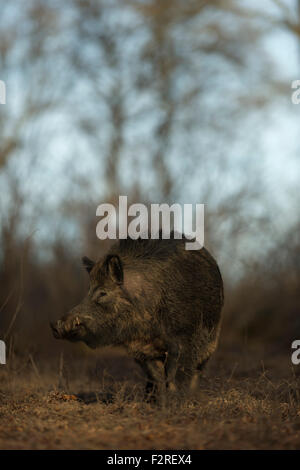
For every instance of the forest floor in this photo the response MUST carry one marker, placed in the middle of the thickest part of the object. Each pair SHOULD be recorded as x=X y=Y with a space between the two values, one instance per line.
x=242 y=402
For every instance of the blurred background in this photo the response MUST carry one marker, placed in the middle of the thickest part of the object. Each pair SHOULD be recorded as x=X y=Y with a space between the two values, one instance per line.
x=162 y=101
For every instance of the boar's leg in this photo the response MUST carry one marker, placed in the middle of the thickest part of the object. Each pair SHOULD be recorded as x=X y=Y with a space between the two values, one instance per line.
x=187 y=366
x=155 y=386
x=171 y=365
x=198 y=374
x=183 y=378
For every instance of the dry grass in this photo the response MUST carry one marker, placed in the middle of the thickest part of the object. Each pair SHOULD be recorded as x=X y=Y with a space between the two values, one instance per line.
x=244 y=404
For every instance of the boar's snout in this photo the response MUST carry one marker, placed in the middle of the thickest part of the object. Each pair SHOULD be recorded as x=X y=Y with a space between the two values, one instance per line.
x=56 y=329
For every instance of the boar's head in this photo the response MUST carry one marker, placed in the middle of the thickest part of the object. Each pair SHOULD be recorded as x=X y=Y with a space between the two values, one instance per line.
x=102 y=317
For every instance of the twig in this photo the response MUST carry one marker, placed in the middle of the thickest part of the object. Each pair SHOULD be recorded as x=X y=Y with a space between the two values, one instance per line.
x=20 y=303
x=34 y=366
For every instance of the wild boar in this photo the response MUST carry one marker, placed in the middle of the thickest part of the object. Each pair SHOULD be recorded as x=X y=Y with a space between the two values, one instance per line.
x=160 y=301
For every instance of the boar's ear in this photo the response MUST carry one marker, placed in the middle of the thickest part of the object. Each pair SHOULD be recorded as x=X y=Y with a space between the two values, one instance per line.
x=114 y=268
x=88 y=263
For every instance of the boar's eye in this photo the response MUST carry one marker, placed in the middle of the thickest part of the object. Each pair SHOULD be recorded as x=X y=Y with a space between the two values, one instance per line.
x=98 y=296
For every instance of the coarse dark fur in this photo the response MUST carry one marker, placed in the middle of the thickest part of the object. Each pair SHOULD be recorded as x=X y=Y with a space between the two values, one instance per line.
x=160 y=301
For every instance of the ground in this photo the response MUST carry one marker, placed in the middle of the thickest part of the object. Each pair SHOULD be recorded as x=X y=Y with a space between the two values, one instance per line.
x=242 y=402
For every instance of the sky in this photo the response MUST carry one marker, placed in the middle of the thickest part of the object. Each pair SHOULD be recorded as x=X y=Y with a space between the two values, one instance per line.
x=277 y=149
